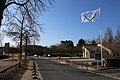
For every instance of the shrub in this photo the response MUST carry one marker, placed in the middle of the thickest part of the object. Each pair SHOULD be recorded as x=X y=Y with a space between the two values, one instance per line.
x=3 y=56
x=113 y=62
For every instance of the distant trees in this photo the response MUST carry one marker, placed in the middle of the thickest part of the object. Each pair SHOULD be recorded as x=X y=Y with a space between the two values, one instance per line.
x=108 y=37
x=112 y=41
x=117 y=37
x=67 y=48
x=81 y=42
x=91 y=41
x=67 y=43
x=94 y=42
x=116 y=45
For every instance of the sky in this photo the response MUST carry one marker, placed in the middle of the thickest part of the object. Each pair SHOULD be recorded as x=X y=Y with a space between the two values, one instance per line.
x=63 y=21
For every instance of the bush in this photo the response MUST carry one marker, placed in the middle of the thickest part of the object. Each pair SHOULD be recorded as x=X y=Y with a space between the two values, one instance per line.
x=3 y=56
x=113 y=62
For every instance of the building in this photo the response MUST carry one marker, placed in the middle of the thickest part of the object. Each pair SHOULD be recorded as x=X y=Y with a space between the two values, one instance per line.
x=90 y=49
x=8 y=50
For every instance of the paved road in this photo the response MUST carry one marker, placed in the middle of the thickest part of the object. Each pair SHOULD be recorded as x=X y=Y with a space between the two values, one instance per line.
x=51 y=70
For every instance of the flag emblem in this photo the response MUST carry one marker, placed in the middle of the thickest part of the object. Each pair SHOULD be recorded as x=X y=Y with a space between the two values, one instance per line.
x=90 y=16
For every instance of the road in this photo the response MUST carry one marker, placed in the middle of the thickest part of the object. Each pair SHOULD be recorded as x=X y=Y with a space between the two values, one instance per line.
x=51 y=70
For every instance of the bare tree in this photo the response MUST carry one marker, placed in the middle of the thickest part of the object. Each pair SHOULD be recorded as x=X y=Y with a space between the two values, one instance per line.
x=32 y=7
x=81 y=42
x=97 y=39
x=21 y=28
x=108 y=38
x=93 y=42
x=117 y=37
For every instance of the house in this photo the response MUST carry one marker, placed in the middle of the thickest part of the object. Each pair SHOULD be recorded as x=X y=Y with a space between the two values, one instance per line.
x=6 y=48
x=9 y=50
x=90 y=49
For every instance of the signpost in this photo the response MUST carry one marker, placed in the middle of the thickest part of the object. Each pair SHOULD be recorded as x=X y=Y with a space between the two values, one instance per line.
x=98 y=57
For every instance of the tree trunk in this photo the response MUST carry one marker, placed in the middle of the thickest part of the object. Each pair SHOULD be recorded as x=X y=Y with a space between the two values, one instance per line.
x=20 y=48
x=26 y=49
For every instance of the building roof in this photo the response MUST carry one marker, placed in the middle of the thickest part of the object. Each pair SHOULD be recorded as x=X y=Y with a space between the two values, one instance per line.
x=93 y=47
x=90 y=47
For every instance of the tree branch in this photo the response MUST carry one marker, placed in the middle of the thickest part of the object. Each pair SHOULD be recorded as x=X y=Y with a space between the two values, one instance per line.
x=22 y=4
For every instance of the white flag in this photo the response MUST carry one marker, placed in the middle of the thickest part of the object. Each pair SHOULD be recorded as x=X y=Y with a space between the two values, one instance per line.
x=90 y=16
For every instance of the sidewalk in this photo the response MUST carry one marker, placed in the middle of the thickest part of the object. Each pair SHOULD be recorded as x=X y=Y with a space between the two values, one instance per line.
x=111 y=72
x=7 y=63
x=108 y=72
x=28 y=75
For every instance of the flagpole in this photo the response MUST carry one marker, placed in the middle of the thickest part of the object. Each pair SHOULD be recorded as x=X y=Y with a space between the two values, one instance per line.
x=100 y=22
x=89 y=16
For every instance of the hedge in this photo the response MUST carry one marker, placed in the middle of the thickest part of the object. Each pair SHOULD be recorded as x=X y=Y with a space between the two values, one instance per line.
x=3 y=56
x=113 y=62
